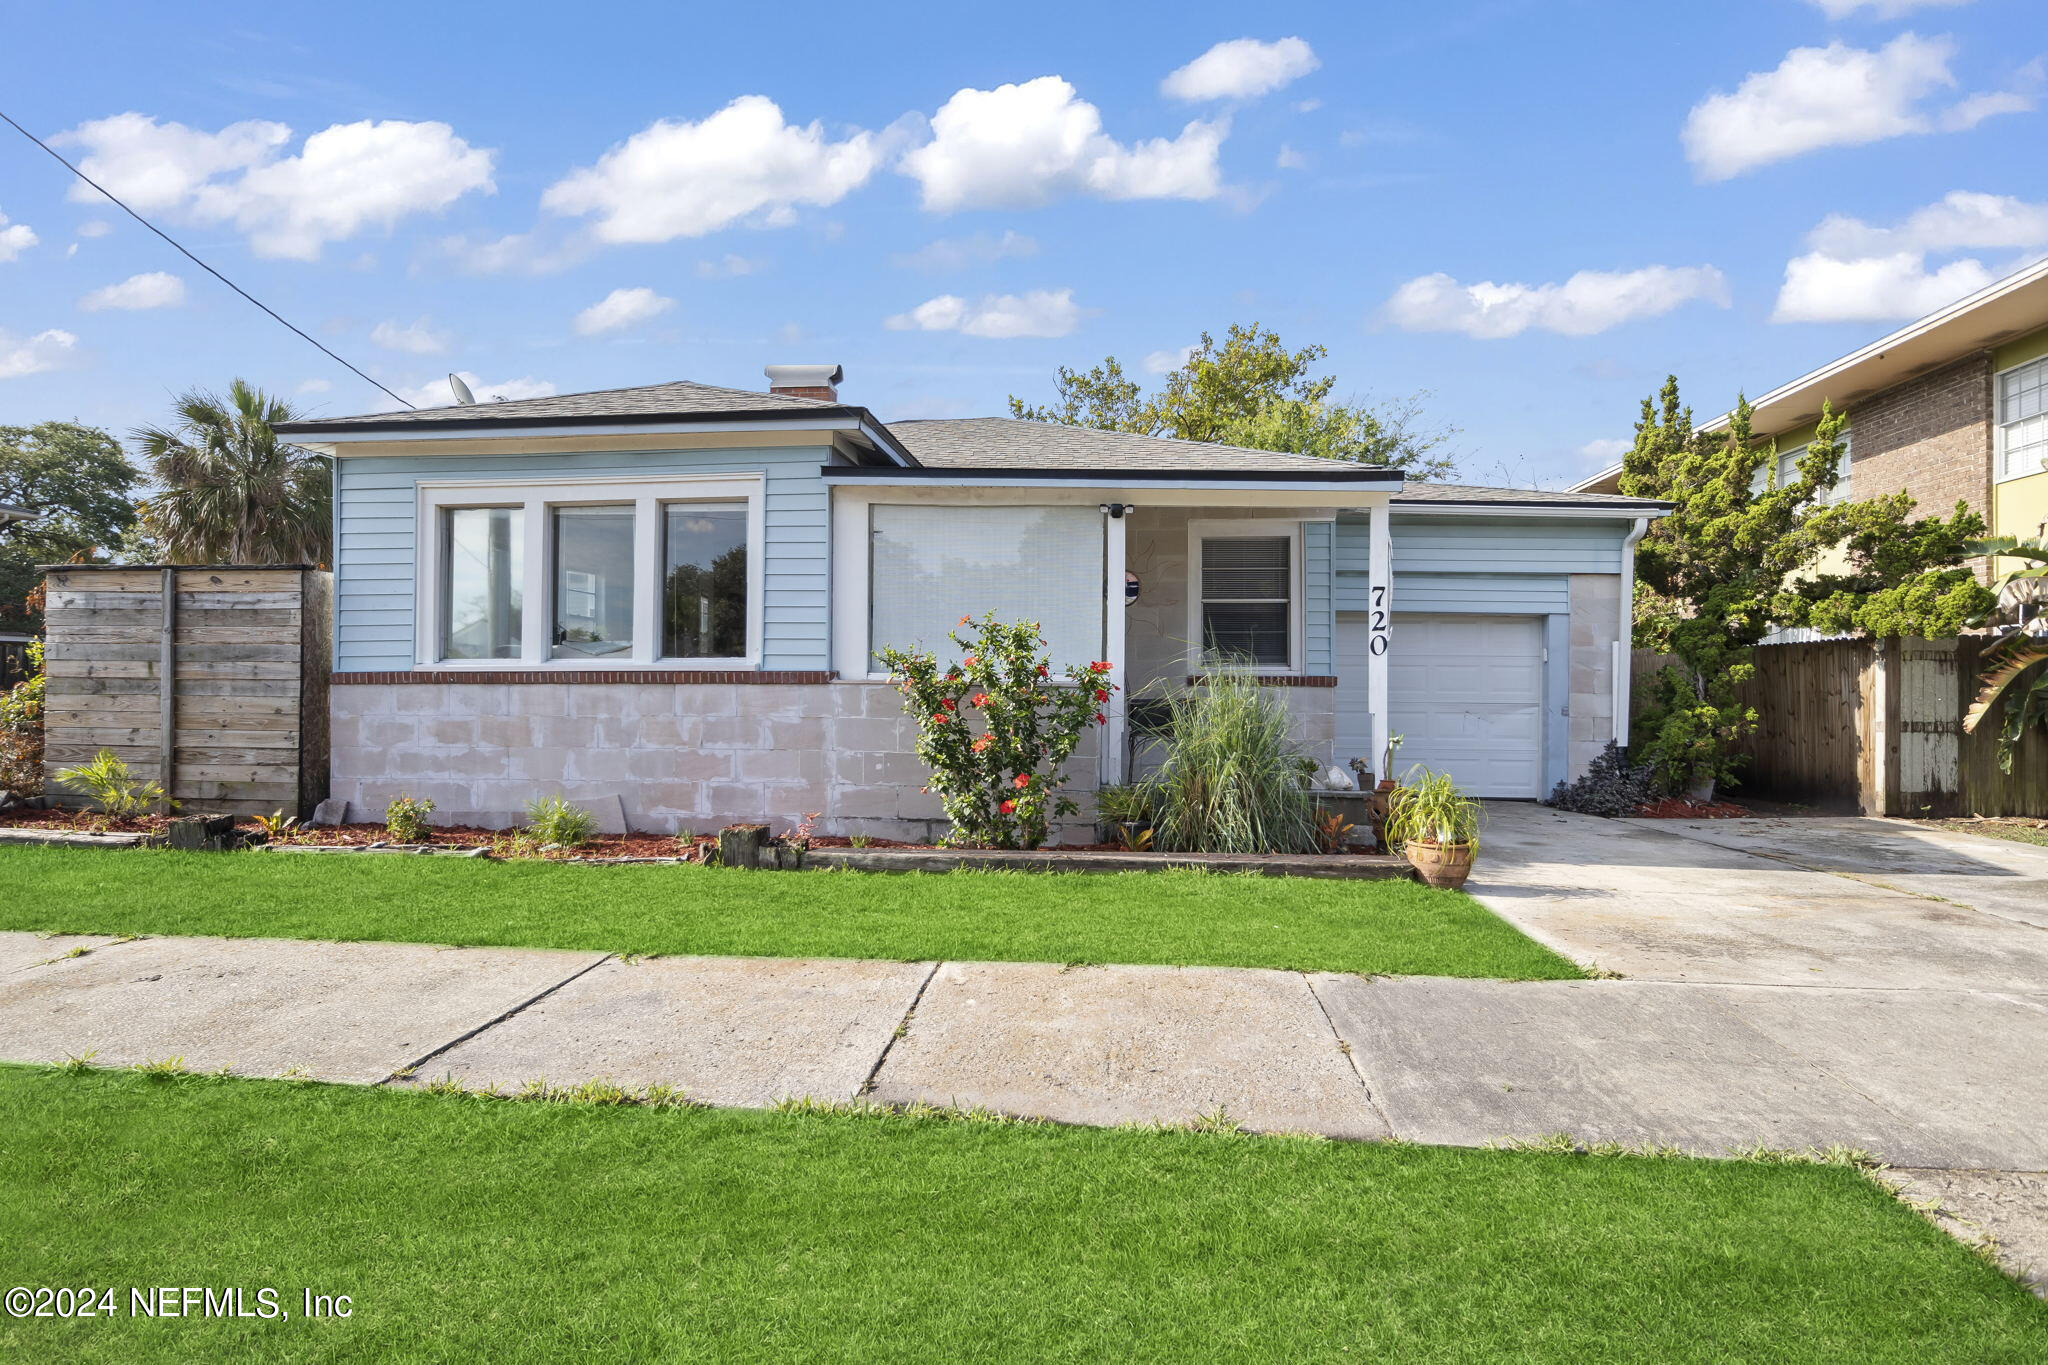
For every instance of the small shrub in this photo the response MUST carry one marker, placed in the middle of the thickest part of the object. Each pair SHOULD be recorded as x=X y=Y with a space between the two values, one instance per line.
x=1428 y=808
x=1333 y=831
x=860 y=840
x=996 y=729
x=21 y=729
x=405 y=819
x=1118 y=805
x=1232 y=781
x=1611 y=786
x=553 y=820
x=278 y=827
x=107 y=781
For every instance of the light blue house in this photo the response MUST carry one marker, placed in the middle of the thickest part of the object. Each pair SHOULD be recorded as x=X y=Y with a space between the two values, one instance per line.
x=673 y=596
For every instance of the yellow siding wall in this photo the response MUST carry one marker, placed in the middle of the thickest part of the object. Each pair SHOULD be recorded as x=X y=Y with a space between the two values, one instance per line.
x=2019 y=506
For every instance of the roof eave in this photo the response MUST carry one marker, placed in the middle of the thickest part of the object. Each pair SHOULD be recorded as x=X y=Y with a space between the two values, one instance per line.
x=968 y=476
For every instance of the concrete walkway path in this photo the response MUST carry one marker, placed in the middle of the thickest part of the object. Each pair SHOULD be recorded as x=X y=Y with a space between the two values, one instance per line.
x=1765 y=1003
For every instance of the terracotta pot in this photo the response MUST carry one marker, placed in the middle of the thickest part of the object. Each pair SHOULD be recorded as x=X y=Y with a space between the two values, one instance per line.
x=1444 y=865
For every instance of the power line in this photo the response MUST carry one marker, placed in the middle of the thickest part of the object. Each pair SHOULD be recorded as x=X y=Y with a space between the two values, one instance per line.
x=195 y=260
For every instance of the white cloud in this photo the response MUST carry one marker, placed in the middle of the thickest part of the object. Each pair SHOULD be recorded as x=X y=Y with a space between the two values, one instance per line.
x=344 y=179
x=95 y=227
x=156 y=289
x=1833 y=96
x=415 y=338
x=1166 y=362
x=316 y=386
x=726 y=267
x=1604 y=452
x=1290 y=160
x=32 y=355
x=15 y=238
x=523 y=253
x=1243 y=68
x=959 y=253
x=621 y=308
x=1822 y=288
x=1966 y=114
x=681 y=179
x=1854 y=272
x=1880 y=9
x=1025 y=145
x=1040 y=313
x=1589 y=302
x=436 y=393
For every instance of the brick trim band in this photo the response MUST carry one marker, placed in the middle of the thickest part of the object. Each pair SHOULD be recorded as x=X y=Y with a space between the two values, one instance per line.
x=781 y=677
x=1279 y=680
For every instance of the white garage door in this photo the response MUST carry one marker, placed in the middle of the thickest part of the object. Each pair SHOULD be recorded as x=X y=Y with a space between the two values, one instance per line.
x=1466 y=694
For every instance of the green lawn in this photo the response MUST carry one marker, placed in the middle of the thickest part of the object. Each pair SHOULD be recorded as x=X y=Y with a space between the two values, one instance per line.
x=466 y=1228
x=1391 y=927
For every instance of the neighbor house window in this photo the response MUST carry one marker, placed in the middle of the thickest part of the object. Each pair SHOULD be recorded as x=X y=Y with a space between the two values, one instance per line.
x=482 y=576
x=560 y=573
x=2023 y=420
x=704 y=580
x=593 y=556
x=931 y=565
x=1247 y=599
x=1787 y=471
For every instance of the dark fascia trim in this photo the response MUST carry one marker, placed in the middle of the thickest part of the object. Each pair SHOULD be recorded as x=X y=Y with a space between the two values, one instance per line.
x=181 y=568
x=586 y=676
x=1365 y=478
x=456 y=426
x=1634 y=508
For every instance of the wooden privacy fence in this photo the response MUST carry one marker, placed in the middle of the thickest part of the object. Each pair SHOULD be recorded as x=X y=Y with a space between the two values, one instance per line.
x=1878 y=726
x=209 y=680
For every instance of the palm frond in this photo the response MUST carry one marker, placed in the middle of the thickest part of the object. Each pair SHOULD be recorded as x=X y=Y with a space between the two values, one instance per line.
x=2000 y=667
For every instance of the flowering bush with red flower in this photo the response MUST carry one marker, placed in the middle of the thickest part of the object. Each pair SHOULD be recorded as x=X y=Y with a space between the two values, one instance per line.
x=995 y=732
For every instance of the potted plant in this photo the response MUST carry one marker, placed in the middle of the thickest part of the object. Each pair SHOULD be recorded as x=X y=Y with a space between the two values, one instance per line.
x=1436 y=826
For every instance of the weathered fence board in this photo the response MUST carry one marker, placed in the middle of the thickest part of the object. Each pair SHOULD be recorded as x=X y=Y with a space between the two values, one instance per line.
x=211 y=681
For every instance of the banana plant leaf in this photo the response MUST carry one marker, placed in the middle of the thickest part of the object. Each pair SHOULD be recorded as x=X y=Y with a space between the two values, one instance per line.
x=2002 y=665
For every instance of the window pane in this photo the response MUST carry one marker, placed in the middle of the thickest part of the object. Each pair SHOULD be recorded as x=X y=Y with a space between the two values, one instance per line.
x=593 y=581
x=480 y=582
x=704 y=580
x=932 y=565
x=1247 y=567
x=1246 y=632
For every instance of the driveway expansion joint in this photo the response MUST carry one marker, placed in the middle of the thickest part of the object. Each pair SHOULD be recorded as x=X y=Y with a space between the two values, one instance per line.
x=902 y=1027
x=1350 y=1053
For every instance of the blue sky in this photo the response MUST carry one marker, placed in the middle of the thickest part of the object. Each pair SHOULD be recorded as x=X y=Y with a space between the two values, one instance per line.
x=1531 y=210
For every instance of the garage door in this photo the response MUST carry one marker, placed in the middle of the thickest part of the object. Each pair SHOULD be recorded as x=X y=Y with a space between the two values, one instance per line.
x=1466 y=694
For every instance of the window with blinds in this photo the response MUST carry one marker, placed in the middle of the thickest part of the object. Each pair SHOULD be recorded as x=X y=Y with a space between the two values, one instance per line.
x=1248 y=600
x=2023 y=420
x=931 y=565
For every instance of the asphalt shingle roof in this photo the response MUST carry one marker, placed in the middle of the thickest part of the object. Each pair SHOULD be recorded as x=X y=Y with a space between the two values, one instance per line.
x=1534 y=497
x=679 y=398
x=1011 y=443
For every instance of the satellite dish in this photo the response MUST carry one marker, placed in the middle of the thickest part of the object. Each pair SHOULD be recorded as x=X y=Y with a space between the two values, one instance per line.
x=463 y=397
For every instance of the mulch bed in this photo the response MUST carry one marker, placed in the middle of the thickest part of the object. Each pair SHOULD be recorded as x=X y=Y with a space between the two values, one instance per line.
x=1682 y=808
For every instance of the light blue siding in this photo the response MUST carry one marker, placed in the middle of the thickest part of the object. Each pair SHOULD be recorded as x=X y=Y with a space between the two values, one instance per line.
x=1319 y=631
x=1485 y=594
x=374 y=556
x=1514 y=565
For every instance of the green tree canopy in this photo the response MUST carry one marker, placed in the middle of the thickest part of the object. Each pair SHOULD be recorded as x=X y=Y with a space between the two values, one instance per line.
x=1250 y=390
x=77 y=479
x=231 y=491
x=1738 y=555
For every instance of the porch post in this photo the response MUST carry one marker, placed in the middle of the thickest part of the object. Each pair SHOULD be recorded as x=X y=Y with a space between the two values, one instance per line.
x=1111 y=765
x=1380 y=620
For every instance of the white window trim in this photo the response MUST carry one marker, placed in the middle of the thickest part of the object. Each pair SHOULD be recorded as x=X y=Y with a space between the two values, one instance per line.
x=535 y=497
x=1237 y=529
x=1998 y=474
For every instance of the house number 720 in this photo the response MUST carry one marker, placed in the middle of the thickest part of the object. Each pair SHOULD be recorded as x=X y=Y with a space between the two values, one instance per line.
x=1378 y=639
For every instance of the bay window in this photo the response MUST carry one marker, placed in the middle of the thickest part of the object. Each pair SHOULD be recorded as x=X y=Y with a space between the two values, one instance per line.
x=558 y=574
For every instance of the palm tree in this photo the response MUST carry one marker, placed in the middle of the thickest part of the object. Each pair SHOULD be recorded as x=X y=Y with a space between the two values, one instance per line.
x=231 y=492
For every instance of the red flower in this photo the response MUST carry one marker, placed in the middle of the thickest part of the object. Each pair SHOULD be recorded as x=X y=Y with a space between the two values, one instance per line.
x=1099 y=666
x=940 y=717
x=949 y=703
x=983 y=742
x=1007 y=807
x=1023 y=781
x=1101 y=719
x=971 y=660
x=963 y=621
x=1044 y=672
x=978 y=699
x=1101 y=694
